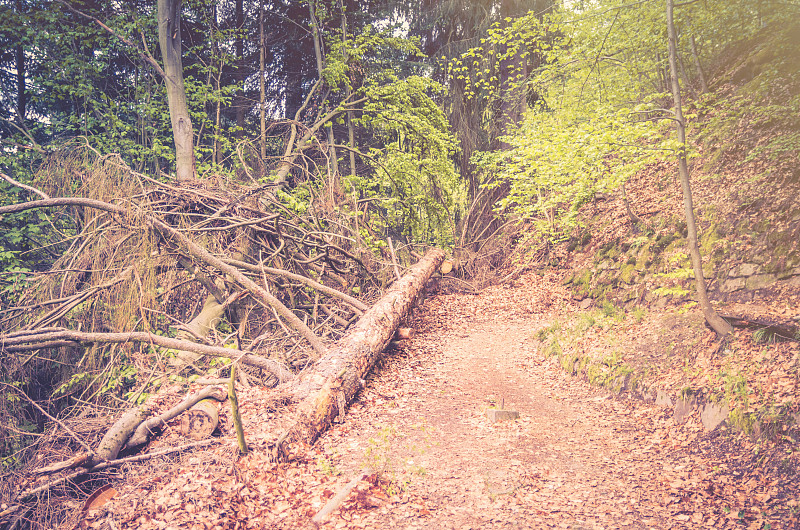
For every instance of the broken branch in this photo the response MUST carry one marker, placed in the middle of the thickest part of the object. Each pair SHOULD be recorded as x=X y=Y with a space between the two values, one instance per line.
x=56 y=337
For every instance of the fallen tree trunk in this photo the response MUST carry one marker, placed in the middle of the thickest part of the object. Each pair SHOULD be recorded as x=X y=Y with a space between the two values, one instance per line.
x=146 y=428
x=336 y=378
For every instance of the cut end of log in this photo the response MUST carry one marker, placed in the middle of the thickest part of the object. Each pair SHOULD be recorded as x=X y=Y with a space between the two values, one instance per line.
x=446 y=267
x=201 y=420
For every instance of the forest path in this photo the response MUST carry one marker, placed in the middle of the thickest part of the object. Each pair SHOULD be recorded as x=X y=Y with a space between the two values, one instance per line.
x=566 y=461
x=577 y=457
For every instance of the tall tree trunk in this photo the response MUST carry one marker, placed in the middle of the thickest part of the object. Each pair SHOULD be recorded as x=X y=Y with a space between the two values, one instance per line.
x=351 y=135
x=714 y=320
x=169 y=39
x=239 y=100
x=216 y=155
x=333 y=164
x=700 y=73
x=22 y=96
x=262 y=52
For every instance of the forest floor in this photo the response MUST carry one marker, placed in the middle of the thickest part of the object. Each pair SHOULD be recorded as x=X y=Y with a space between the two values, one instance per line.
x=418 y=434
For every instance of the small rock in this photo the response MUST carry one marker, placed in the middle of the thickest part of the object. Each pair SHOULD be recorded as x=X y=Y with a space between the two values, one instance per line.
x=732 y=284
x=747 y=269
x=586 y=303
x=713 y=415
x=496 y=415
x=663 y=399
x=760 y=281
x=684 y=408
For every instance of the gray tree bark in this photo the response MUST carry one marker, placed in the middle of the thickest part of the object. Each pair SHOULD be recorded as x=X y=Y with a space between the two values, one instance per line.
x=169 y=39
x=714 y=320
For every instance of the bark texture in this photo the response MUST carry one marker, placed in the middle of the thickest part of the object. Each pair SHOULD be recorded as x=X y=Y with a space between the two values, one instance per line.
x=336 y=377
x=711 y=316
x=149 y=427
x=169 y=40
x=118 y=434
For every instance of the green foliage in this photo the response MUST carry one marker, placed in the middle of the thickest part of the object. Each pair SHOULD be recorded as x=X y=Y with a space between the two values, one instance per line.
x=598 y=117
x=545 y=332
x=589 y=133
x=414 y=183
x=378 y=455
x=608 y=309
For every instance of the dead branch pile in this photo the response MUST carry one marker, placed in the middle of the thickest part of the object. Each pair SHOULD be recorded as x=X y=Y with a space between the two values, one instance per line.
x=149 y=281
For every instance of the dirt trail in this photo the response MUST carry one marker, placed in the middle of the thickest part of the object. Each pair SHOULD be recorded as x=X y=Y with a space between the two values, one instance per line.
x=568 y=460
x=576 y=458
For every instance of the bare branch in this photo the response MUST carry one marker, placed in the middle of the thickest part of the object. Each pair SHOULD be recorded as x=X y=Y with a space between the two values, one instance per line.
x=25 y=187
x=171 y=234
x=52 y=418
x=354 y=302
x=19 y=341
x=145 y=56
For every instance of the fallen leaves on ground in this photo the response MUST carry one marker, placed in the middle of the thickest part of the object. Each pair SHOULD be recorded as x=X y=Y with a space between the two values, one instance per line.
x=577 y=457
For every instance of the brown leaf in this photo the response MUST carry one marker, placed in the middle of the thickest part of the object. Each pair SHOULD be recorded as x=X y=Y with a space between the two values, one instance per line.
x=100 y=497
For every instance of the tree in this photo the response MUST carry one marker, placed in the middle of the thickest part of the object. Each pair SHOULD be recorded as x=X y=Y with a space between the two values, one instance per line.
x=715 y=321
x=169 y=39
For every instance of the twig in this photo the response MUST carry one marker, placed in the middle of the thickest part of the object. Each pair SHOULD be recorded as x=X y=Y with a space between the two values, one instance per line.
x=336 y=500
x=25 y=495
x=394 y=258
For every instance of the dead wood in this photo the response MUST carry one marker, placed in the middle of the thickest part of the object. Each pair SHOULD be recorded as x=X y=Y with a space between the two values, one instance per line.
x=116 y=437
x=150 y=426
x=337 y=499
x=190 y=247
x=770 y=328
x=34 y=492
x=337 y=377
x=446 y=267
x=354 y=302
x=132 y=429
x=200 y=421
x=199 y=328
x=89 y=451
x=79 y=460
x=19 y=341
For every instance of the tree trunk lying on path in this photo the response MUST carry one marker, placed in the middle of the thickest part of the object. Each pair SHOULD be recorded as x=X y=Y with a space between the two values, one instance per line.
x=324 y=390
x=335 y=379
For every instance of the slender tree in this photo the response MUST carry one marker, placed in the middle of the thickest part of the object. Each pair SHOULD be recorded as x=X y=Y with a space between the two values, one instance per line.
x=715 y=321
x=169 y=39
